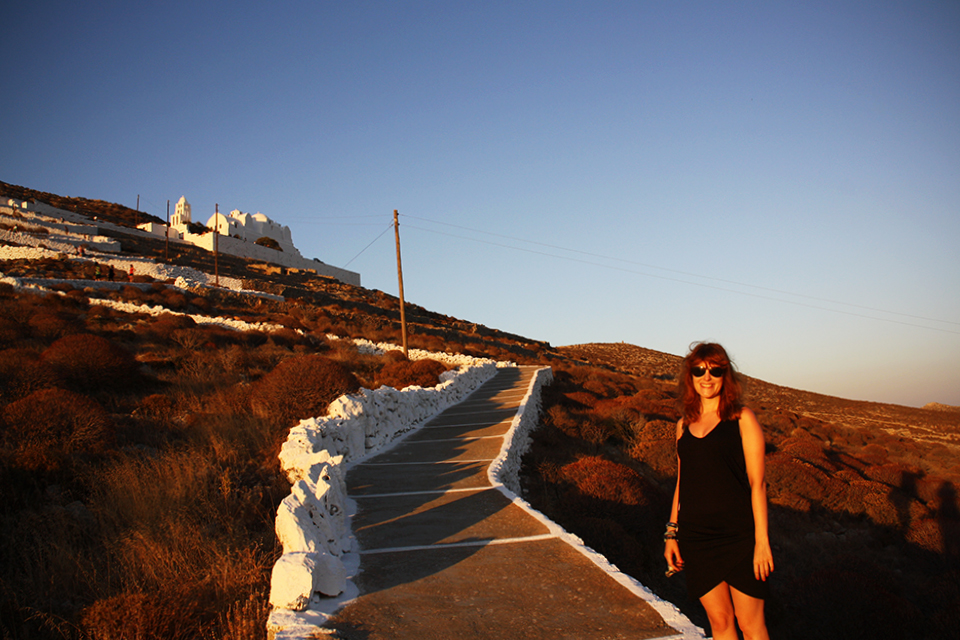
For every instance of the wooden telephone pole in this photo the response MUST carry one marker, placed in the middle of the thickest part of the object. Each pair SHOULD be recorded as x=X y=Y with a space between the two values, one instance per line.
x=216 y=247
x=403 y=315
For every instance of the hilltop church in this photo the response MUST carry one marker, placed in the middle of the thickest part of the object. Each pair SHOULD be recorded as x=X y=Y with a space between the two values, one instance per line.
x=238 y=233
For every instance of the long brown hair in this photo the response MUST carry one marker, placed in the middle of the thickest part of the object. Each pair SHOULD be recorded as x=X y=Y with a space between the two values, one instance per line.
x=731 y=392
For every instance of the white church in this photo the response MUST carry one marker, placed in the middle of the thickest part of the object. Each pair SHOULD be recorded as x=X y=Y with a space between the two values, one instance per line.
x=237 y=234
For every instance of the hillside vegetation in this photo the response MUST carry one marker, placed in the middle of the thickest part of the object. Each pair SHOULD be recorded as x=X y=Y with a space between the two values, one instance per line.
x=139 y=478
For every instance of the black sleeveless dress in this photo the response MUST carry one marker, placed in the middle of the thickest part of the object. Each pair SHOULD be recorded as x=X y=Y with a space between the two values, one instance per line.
x=715 y=522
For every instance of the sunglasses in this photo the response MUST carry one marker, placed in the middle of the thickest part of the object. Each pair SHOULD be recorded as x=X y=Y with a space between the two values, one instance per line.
x=716 y=372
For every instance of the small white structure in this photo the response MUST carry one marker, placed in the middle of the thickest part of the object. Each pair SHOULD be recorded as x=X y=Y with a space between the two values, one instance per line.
x=252 y=227
x=181 y=214
x=238 y=234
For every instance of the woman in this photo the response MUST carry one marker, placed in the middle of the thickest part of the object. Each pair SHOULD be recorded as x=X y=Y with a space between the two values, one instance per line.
x=718 y=523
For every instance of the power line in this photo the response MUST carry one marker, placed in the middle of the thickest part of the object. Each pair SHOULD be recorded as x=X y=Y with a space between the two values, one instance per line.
x=387 y=228
x=684 y=273
x=697 y=284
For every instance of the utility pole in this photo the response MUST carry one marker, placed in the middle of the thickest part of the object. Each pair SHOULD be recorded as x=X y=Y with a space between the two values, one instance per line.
x=166 y=247
x=403 y=315
x=216 y=246
x=137 y=224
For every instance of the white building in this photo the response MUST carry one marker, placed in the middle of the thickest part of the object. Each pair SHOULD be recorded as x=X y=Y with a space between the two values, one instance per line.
x=238 y=234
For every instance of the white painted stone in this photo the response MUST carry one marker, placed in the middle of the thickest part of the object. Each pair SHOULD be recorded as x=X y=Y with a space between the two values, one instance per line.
x=297 y=576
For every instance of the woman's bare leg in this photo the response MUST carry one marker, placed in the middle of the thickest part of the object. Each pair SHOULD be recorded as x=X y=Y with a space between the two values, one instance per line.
x=719 y=606
x=750 y=618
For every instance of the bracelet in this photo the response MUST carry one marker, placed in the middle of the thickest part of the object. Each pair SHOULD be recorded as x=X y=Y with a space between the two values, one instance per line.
x=671 y=532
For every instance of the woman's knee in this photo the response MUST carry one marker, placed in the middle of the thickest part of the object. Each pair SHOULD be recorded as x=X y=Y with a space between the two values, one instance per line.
x=721 y=617
x=753 y=626
x=721 y=621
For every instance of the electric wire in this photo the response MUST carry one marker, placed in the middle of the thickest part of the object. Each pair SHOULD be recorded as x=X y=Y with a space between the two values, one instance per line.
x=684 y=273
x=368 y=246
x=697 y=284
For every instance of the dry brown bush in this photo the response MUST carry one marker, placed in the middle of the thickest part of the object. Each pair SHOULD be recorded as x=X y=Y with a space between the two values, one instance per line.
x=173 y=299
x=394 y=355
x=659 y=455
x=50 y=325
x=166 y=324
x=201 y=304
x=285 y=337
x=581 y=398
x=131 y=294
x=48 y=427
x=301 y=387
x=21 y=373
x=11 y=330
x=599 y=478
x=90 y=362
x=403 y=373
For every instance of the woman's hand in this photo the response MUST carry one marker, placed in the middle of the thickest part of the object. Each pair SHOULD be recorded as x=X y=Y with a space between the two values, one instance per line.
x=672 y=554
x=762 y=560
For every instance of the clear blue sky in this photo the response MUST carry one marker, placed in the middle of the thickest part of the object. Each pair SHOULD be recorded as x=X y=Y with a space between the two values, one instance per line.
x=782 y=177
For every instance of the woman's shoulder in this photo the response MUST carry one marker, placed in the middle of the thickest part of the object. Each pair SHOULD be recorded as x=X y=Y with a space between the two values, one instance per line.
x=679 y=428
x=748 y=423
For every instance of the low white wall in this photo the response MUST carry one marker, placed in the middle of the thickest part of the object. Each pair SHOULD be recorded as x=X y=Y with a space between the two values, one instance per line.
x=185 y=277
x=312 y=521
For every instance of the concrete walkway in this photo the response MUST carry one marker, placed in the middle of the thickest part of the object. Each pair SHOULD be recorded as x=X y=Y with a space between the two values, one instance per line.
x=446 y=555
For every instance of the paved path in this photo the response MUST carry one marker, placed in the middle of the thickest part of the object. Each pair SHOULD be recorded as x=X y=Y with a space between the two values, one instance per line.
x=446 y=555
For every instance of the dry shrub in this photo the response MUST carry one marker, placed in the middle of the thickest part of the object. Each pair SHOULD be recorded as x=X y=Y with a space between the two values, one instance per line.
x=157 y=406
x=89 y=362
x=170 y=615
x=580 y=398
x=301 y=387
x=892 y=475
x=201 y=304
x=659 y=431
x=806 y=450
x=927 y=533
x=621 y=407
x=289 y=321
x=190 y=338
x=166 y=324
x=285 y=337
x=50 y=325
x=131 y=294
x=866 y=497
x=603 y=479
x=596 y=430
x=48 y=427
x=394 y=355
x=659 y=455
x=563 y=419
x=787 y=476
x=173 y=299
x=21 y=373
x=365 y=366
x=403 y=373
x=777 y=422
x=11 y=330
x=246 y=619
x=144 y=492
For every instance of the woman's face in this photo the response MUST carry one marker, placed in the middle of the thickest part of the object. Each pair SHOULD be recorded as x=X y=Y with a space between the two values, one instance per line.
x=707 y=385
